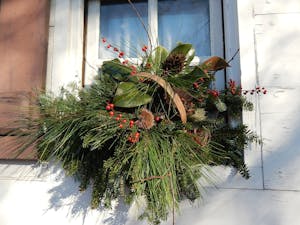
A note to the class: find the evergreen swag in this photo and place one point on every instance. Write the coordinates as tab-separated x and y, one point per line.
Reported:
148	131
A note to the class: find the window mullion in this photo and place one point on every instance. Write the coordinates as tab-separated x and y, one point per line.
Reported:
216	37
153	22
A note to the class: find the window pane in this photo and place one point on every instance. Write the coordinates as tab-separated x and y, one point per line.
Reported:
185	21
120	25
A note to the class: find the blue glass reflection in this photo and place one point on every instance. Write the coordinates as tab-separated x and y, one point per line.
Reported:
122	28
184	21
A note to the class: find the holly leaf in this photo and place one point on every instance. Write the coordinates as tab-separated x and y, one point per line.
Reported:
128	96
214	63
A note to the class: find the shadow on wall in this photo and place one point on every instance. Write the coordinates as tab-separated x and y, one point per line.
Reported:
278	71
66	194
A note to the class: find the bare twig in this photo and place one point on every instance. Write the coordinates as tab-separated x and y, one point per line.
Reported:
141	20
92	67
232	58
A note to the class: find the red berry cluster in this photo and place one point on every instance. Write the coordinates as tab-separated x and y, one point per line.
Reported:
233	88
133	70
115	49
123	123
257	90
133	138
213	93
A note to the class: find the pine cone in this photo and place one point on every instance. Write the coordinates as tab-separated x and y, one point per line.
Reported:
174	64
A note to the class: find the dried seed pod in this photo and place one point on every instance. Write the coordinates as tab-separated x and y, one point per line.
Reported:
146	119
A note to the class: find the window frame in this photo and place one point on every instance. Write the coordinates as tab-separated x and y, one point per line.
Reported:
223	16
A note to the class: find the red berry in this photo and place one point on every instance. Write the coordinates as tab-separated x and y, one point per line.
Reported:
108	108
121	126
103	40
157	118
108	46
144	49
120	115
137	134
121	54
265	92
125	62
116	50
111	106
124	121
111	113
196	85
131	123
117	118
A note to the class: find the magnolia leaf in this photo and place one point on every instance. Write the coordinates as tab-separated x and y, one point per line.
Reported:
214	63
221	106
167	87
182	48
128	96
158	56
116	70
190	56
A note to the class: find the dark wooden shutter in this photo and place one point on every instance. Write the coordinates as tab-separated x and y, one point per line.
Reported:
23	60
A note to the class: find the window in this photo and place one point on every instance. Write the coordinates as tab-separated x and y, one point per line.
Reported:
194	21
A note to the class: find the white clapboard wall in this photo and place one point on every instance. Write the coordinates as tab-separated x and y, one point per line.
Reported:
269	36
